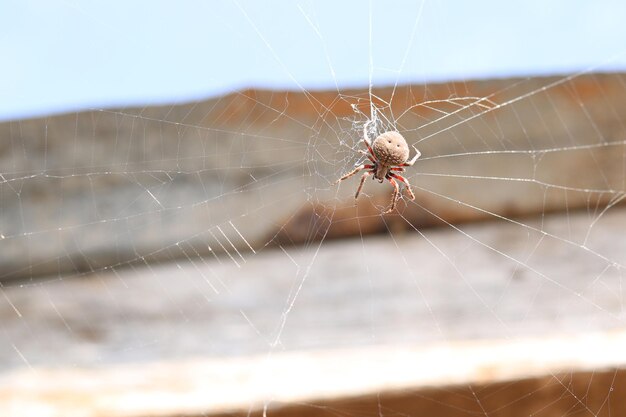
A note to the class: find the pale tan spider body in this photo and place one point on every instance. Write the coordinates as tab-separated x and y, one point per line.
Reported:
389	154
390	149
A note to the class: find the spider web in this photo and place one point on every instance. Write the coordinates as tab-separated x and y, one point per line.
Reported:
210	229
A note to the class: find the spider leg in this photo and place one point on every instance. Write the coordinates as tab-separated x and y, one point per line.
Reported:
354	171
412	161
399	169
369	148
394	196
369	156
367	141
365	137
406	183
363	177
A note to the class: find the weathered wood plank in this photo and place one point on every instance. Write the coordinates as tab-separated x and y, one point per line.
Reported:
90	190
302	379
495	280
497	301
590	394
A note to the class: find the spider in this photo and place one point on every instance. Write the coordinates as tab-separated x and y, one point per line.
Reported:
388	154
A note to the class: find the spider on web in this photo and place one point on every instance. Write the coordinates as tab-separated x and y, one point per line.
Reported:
388	154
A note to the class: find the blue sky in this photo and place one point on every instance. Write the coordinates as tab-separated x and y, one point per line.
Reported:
69	55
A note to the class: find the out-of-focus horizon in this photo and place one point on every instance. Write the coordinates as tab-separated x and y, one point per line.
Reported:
72	55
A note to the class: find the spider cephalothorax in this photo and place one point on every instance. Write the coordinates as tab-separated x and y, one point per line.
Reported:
388	154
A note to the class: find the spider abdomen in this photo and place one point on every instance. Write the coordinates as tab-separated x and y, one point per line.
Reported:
391	149
387	150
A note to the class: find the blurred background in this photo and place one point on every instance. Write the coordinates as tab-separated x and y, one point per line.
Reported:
172	242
